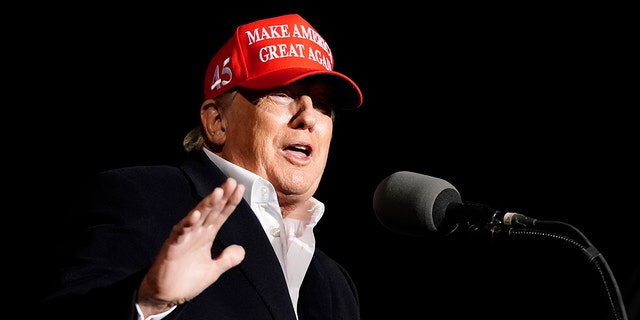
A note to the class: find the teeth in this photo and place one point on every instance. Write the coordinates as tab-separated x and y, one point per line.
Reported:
302	149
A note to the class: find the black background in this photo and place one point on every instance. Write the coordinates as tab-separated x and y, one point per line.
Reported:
525	108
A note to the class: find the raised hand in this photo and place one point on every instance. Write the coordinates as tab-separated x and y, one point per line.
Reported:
184	266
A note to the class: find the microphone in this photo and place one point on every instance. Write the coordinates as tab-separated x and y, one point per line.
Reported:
418	205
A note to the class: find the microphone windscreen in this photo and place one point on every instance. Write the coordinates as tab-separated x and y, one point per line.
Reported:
413	204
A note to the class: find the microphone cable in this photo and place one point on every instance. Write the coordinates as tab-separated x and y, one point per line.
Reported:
594	256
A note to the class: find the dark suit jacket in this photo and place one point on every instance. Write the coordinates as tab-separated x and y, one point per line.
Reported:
135	209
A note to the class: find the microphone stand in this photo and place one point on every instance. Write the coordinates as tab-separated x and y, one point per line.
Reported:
593	255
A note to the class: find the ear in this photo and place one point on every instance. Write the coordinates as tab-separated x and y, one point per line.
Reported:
212	124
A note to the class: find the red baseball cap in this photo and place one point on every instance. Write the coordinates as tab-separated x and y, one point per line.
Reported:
274	52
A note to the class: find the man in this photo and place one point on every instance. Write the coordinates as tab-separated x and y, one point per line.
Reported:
229	233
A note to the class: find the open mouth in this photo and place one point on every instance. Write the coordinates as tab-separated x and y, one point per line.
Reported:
299	148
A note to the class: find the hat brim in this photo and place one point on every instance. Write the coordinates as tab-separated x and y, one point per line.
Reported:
347	93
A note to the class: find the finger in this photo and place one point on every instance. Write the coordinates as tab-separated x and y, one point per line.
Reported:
216	200
211	203
233	193
225	203
226	206
193	218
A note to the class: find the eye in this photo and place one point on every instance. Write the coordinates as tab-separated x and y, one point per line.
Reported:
323	105
281	97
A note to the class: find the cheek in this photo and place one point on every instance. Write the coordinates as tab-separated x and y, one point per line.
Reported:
325	129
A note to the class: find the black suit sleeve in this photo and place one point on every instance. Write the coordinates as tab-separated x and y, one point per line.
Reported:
131	213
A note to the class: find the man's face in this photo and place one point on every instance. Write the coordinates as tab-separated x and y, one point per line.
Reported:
282	135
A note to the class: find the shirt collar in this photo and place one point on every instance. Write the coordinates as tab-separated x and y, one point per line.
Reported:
254	182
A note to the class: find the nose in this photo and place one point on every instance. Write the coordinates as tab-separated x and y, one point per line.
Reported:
305	115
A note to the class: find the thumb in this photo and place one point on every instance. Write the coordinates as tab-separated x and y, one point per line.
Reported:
230	257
